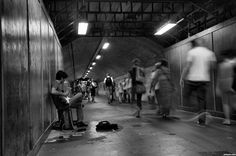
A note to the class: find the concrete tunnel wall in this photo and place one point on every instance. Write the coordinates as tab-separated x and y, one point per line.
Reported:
30	56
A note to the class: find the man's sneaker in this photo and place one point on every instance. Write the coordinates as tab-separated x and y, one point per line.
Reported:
226	122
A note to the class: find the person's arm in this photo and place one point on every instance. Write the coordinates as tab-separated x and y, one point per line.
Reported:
186	69
67	88
56	92
213	66
154	81
184	73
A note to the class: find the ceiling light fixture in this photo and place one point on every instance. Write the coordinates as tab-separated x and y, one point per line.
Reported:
94	63
98	57
105	45
90	68
167	27
82	28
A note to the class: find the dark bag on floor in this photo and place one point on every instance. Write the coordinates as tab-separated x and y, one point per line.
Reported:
106	126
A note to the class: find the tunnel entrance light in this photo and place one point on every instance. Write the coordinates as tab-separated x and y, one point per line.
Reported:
82	28
167	27
98	57
105	45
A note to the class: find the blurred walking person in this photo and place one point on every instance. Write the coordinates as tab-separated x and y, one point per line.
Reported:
226	84
197	75
166	87
138	79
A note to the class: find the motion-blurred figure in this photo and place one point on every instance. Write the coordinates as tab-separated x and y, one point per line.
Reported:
166	87
197	75
138	78
225	82
154	89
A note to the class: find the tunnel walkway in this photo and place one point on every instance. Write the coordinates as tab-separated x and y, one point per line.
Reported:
148	136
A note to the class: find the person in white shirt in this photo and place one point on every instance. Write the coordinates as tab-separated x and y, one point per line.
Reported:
197	75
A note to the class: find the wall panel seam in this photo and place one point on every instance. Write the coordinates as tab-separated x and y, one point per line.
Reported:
2	83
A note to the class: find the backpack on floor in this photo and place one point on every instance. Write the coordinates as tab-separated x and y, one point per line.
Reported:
106	126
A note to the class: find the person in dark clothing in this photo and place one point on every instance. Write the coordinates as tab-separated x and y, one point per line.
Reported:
93	90
135	74
108	81
166	88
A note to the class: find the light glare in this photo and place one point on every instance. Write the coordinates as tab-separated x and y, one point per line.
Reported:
165	28
82	28
94	63
105	45
98	57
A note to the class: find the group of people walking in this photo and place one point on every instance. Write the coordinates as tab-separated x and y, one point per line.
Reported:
196	77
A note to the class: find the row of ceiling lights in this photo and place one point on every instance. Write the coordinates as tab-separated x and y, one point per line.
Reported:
83	27
98	57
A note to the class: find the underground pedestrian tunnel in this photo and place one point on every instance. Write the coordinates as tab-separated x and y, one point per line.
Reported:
40	37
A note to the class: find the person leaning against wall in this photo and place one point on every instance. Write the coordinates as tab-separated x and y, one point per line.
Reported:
62	89
196	76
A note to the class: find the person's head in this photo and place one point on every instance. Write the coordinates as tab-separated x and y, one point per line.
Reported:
136	61
228	54
61	76
157	65
194	43
108	75
164	62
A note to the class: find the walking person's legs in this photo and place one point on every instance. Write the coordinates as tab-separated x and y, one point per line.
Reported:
139	105
201	97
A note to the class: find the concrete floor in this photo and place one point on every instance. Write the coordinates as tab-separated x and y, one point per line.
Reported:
148	136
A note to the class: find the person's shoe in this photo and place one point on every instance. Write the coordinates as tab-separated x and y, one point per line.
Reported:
226	122
201	122
81	124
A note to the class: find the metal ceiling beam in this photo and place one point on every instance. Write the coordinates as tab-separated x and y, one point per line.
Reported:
125	1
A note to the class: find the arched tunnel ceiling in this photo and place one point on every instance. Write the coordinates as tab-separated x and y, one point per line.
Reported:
129	25
116	60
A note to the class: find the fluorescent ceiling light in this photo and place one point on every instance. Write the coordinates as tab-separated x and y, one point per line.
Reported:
90	68
98	57
94	63
165	28
82	28
105	45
